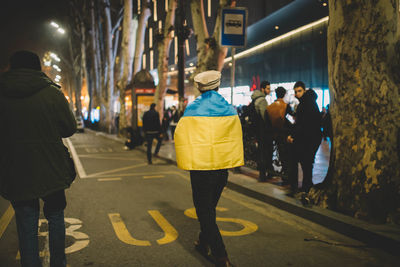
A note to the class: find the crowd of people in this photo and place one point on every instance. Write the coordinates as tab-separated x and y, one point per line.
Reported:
295	133
209	126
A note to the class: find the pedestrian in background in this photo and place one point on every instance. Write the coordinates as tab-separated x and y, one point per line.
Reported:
208	141
34	163
152	130
305	137
275	116
263	133
165	123
175	116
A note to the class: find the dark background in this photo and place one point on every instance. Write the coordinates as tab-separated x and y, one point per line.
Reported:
25	24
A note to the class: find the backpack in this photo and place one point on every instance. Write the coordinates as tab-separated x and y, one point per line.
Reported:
253	119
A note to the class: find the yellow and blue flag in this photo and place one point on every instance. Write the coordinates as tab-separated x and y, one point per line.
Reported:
209	135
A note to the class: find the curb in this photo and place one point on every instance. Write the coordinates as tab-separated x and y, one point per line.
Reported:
385	237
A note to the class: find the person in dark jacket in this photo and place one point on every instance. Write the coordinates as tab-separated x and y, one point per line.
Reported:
305	137
152	129
34	163
263	133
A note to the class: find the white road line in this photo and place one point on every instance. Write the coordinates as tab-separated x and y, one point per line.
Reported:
115	170
78	164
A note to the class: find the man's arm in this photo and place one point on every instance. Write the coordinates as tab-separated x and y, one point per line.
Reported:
66	121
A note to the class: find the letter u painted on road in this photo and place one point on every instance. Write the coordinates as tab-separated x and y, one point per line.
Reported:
170	234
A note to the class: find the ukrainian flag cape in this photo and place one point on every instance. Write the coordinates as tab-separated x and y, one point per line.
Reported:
209	135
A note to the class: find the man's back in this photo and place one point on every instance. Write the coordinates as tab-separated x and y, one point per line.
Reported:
34	116
151	121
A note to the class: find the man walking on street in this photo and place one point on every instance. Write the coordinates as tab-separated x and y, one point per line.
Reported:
263	134
208	141
152	130
34	163
305	137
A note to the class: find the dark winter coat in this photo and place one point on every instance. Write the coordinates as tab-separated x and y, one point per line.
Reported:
151	122
34	116
307	129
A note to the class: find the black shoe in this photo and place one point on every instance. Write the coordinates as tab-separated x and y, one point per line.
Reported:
149	162
223	262
204	250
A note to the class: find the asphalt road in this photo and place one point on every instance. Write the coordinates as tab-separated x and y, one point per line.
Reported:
123	212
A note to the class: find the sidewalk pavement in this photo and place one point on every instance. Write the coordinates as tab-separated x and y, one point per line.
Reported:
386	237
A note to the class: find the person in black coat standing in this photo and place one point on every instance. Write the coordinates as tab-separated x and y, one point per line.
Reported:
305	137
152	129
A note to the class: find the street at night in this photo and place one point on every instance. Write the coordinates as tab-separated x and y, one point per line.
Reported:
199	133
124	212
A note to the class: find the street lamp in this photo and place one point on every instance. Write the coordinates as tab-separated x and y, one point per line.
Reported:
59	29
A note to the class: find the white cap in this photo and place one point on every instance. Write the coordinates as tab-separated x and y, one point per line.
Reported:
207	80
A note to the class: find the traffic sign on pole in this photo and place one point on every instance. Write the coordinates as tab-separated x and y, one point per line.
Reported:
233	28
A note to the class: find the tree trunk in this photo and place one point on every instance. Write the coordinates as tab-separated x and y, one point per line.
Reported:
110	64
84	72
137	62
210	55
129	28
144	16
363	62
95	59
163	47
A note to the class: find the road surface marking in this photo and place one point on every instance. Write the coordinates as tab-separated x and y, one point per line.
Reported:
130	174
153	176
91	156
123	233
115	170
5	219
170	233
78	164
81	239
109	179
248	227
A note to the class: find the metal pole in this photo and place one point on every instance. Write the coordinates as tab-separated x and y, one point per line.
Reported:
233	51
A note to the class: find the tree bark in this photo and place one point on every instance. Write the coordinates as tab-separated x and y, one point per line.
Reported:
95	58
163	47
363	63
210	55
137	62
129	27
144	16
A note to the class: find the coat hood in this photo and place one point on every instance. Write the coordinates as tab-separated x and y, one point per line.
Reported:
22	83
257	94
309	96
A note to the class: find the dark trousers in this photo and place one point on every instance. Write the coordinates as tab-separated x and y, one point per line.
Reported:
149	140
207	187
264	159
303	153
283	152
27	219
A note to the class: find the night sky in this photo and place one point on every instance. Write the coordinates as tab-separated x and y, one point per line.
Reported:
24	24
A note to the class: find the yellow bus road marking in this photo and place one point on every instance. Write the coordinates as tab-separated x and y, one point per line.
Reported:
109	179
115	170
5	219
170	233
153	176
123	233
247	226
